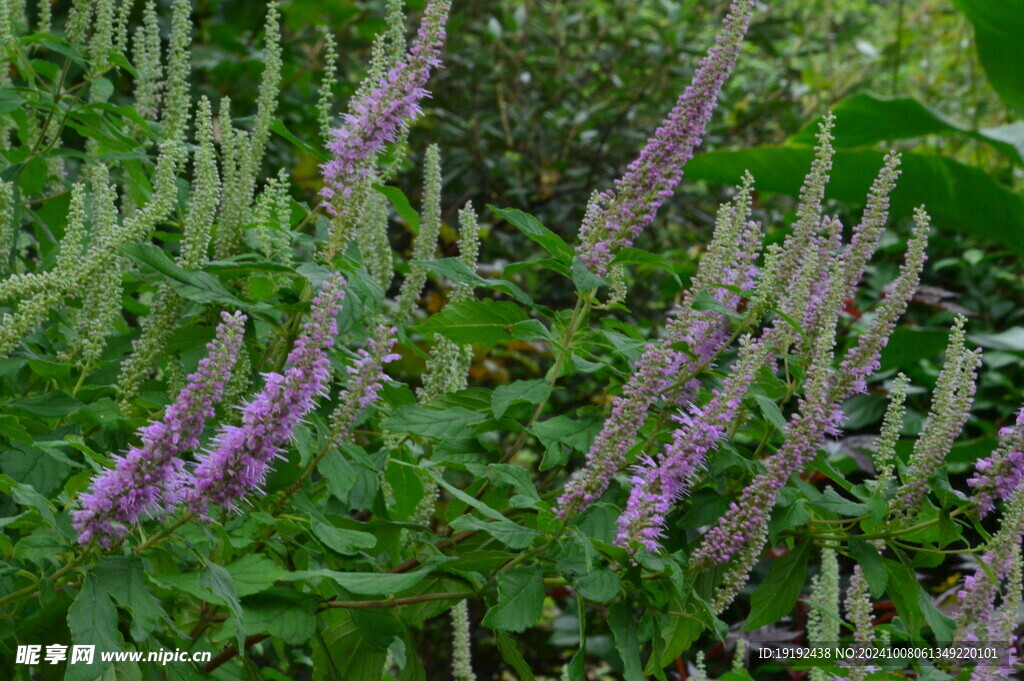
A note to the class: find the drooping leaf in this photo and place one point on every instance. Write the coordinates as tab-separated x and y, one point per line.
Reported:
775	597
957	197
520	598
487	321
998	26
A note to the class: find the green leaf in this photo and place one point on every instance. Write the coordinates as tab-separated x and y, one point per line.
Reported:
402	206
510	653
504	530
832	502
998	27
866	119
201	287
349	648
407	490
367	583
958	197
279	127
441	424
345	542
577	434
218	580
487	322
92	619
536	232
520	598
584	279
599	586
903	588
775	597
870	564
770	410
124	580
460	273
282	613
254	573
620	620
531	392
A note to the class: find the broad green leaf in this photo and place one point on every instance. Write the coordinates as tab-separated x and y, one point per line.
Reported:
770	410
903	588
520	598
201	287
92	619
487	322
865	119
407	490
366	583
460	273
998	27
870	564
620	620
124	579
535	231
402	206
219	581
504	530
531	392
775	597
282	613
440	424
832	502
350	649
957	197
578	434
345	542
599	586
254	573
510	653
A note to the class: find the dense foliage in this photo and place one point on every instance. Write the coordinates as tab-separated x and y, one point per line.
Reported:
270	397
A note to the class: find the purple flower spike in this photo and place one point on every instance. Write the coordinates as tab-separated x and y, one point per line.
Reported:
147	476
366	381
1000	475
617	216
377	118
241	455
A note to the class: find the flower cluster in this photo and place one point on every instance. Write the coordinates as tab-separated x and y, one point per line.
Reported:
147	477
366	380
377	118
614	218
663	371
999	475
951	405
238	461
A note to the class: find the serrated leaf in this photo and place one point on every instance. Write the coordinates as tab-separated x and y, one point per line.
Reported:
775	597
870	564
620	620
537	232
345	542
254	573
531	392
287	615
124	579
510	653
487	322
520	599
440	424
219	581
504	530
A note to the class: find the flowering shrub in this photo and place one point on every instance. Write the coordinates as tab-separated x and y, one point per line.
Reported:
229	430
